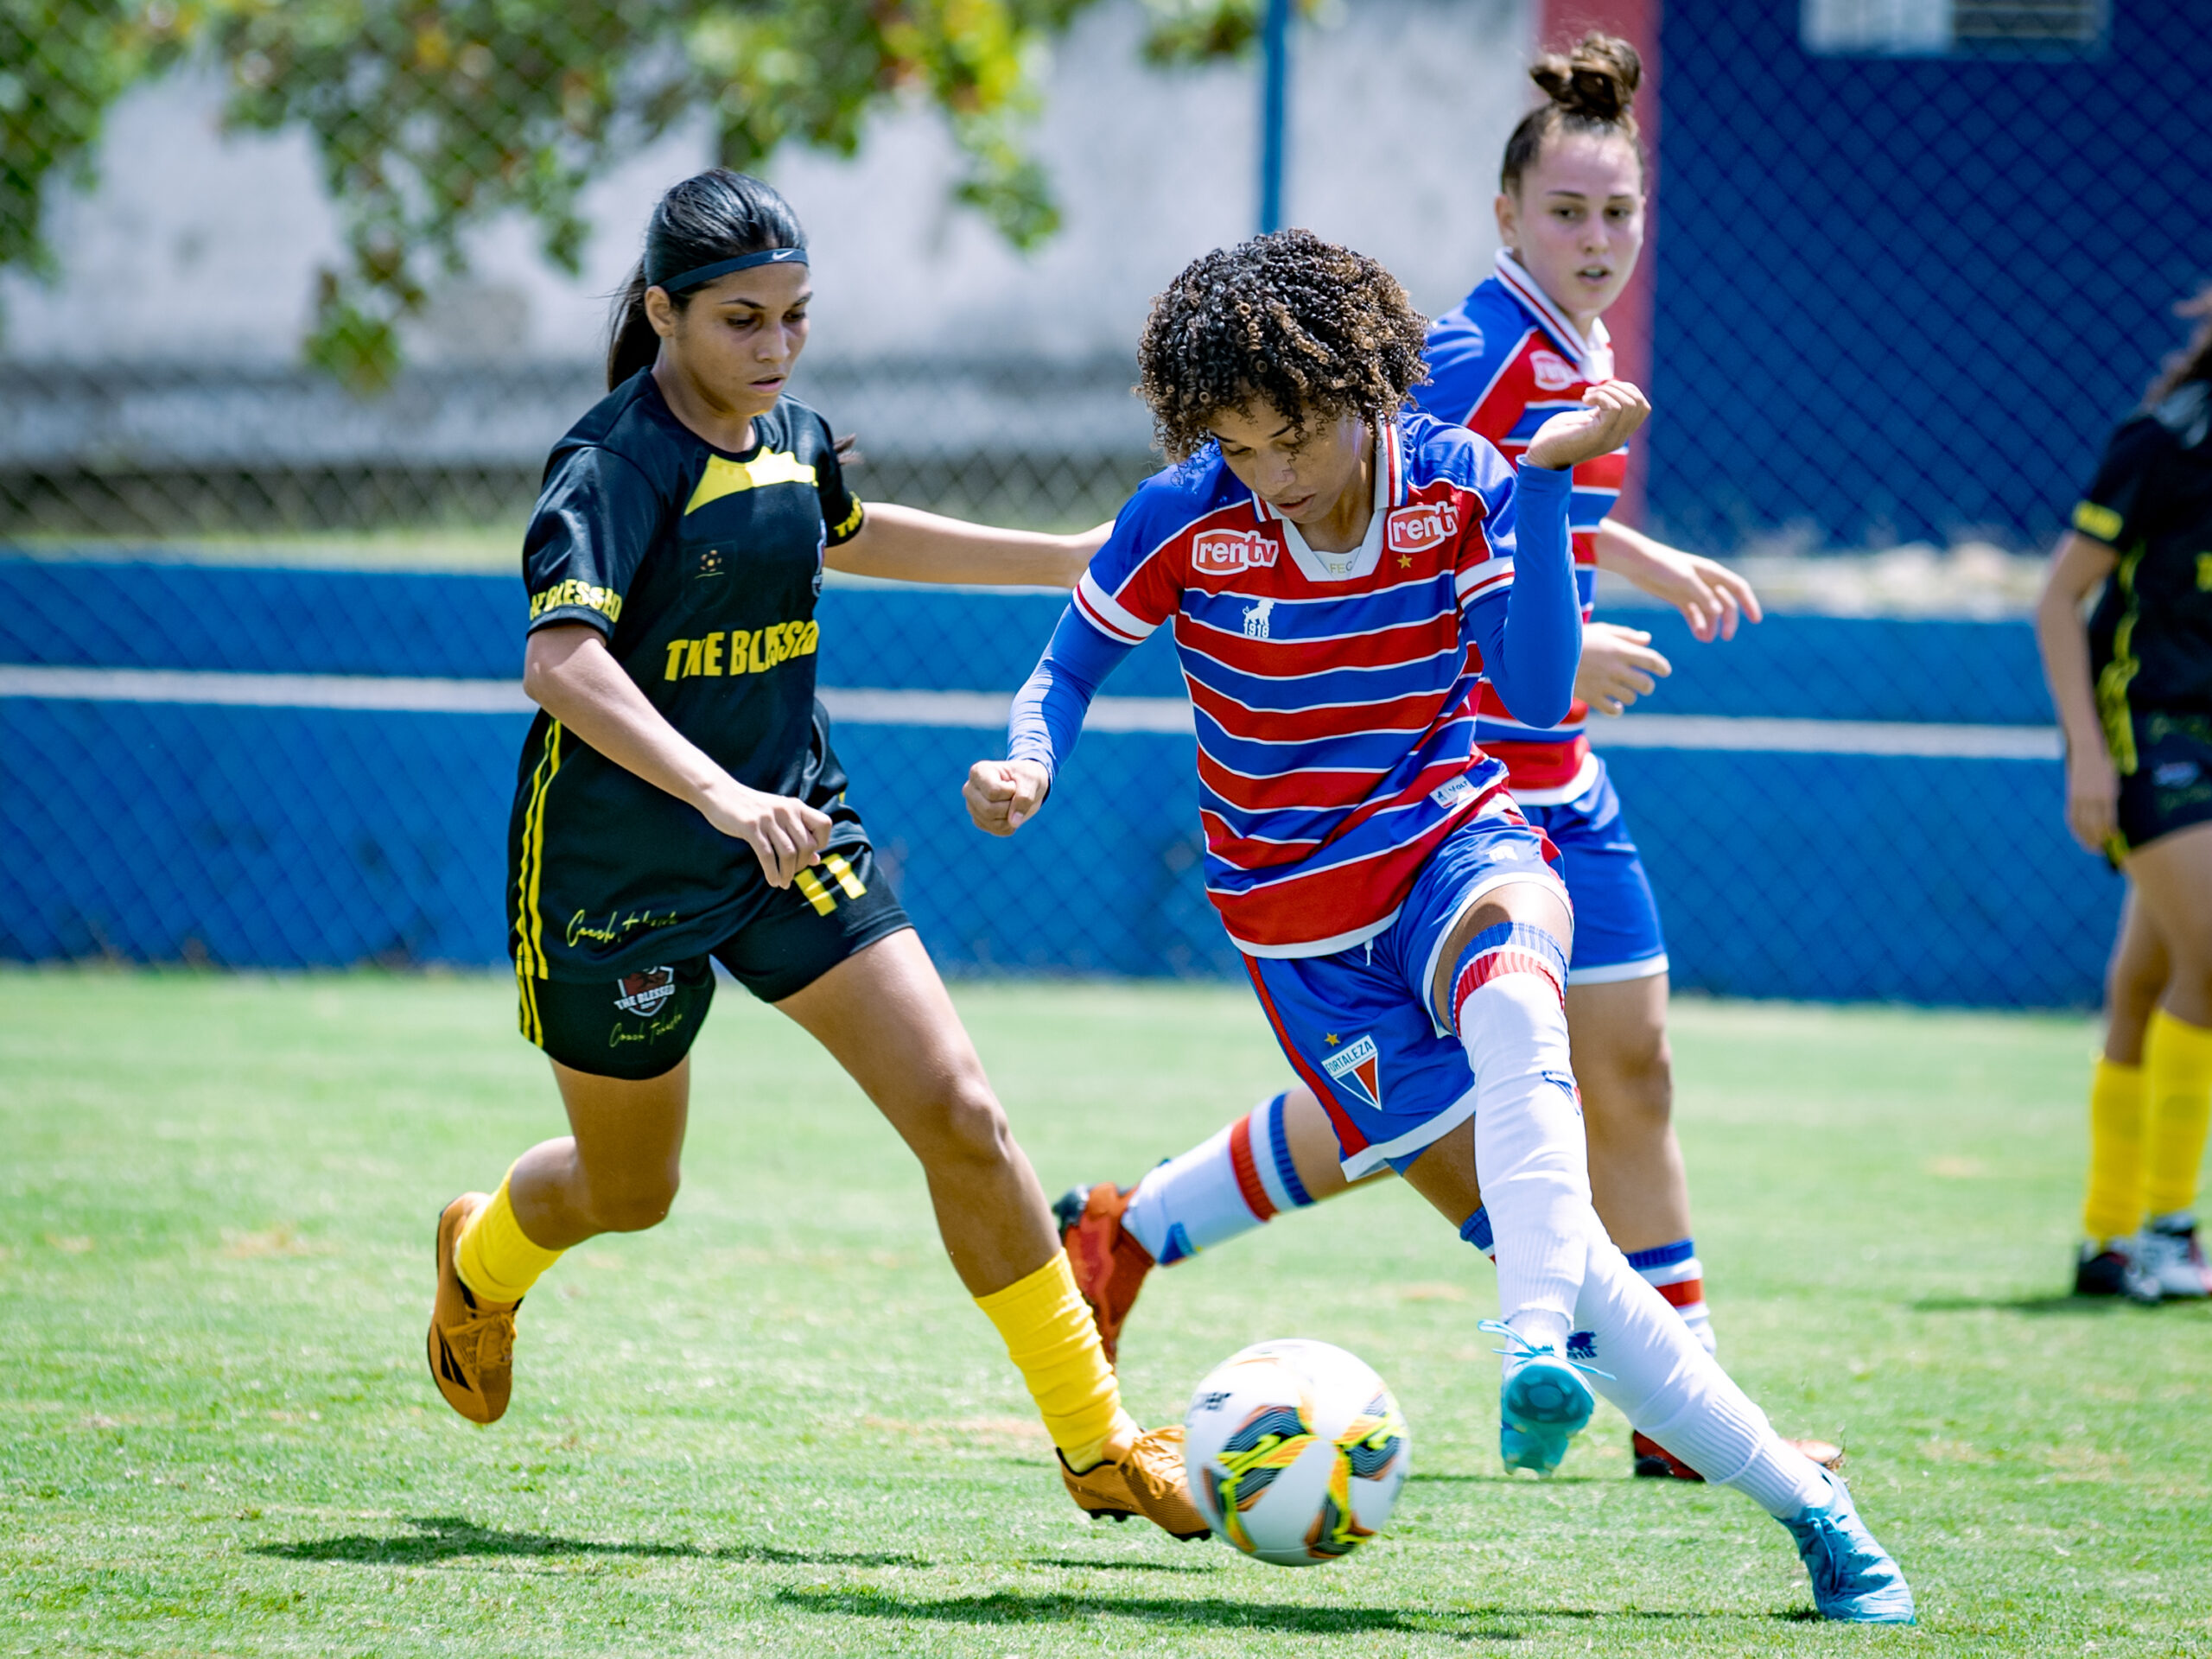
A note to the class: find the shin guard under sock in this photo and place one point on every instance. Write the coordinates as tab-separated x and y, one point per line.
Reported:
1050	1337
2177	1109
1509	1010
2114	1208
495	1258
1675	1273
1241	1179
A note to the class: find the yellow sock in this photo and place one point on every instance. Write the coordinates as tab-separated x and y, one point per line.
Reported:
496	1258
1050	1337
2114	1208
2177	1070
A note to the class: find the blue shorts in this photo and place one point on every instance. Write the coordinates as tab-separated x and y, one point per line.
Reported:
1616	933
1358	1025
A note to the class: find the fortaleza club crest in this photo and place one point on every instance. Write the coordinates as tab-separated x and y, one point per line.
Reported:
643	994
1356	1066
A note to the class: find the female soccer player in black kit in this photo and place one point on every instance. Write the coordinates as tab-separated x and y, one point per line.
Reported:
2134	694
678	800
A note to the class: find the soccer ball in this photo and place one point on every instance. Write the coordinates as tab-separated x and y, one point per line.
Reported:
1294	1452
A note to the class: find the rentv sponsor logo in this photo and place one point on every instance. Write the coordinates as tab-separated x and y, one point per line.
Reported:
1415	530
1553	372
1225	552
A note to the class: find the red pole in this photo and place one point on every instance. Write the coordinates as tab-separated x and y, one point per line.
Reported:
1559	23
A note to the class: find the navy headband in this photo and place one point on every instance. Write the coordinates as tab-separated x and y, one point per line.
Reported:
693	278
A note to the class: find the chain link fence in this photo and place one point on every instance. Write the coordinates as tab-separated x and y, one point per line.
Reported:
1913	260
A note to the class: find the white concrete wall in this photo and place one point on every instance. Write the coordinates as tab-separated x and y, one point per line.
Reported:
201	247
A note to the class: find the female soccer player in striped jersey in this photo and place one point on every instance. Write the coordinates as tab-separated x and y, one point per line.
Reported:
678	802
1526	344
2134	694
1339	574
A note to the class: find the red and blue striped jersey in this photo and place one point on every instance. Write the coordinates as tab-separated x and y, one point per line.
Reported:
1502	364
1332	692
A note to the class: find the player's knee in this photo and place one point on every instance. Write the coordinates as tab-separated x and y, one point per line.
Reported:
963	1125
2132	983
634	1204
2187	983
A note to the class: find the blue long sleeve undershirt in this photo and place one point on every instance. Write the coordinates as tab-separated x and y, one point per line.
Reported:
1531	644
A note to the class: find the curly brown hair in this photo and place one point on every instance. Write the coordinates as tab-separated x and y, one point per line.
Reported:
1312	328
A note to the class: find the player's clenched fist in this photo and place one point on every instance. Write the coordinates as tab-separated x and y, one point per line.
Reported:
1611	409
1003	795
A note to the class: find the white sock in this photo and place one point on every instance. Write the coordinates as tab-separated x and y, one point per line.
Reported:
1668	1387
1529	1152
1235	1181
1675	1273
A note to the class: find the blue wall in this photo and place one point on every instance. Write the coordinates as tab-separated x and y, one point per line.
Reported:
1909	296
294	837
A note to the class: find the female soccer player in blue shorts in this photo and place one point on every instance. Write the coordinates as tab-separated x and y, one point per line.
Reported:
2134	694
1339	574
1528	343
678	804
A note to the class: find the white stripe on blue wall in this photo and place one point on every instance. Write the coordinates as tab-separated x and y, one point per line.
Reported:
987	711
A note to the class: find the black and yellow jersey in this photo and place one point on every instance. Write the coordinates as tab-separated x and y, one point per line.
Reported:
2151	634
701	569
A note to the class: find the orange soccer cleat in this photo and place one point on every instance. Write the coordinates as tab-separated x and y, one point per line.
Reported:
1110	1264
1146	1479
472	1344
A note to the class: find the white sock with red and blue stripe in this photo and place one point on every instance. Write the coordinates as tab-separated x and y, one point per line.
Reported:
1675	1273
1241	1179
1509	1005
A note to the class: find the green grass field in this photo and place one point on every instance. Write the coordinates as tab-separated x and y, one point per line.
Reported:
776	1426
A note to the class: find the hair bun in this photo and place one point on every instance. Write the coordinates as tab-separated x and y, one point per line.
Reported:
1595	82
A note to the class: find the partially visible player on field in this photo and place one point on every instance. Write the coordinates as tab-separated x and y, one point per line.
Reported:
1527	343
678	804
2134	693
1339	573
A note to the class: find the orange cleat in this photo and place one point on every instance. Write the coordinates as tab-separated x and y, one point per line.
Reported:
472	1344
1147	1479
1110	1264
1654	1462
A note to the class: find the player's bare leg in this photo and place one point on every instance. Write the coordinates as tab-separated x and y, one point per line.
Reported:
2172	875
616	1171
884	1014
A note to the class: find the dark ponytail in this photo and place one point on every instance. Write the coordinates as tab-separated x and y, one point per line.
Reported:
2193	360
1591	89
710	217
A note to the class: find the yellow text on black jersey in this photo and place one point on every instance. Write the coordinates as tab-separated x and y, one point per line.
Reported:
738	651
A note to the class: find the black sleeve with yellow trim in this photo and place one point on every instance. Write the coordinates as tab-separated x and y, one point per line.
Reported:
842	512
2109	507
594	520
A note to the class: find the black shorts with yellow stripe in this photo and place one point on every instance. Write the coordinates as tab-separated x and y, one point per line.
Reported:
2171	788
643	1024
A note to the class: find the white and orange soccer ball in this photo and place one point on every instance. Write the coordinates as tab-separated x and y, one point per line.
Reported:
1295	1451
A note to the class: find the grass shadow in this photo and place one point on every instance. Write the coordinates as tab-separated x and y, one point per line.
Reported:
2038	1306
1073	1565
1014	1607
449	1538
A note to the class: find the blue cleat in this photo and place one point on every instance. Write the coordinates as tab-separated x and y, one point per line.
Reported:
1854	1580
1541	1406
